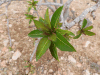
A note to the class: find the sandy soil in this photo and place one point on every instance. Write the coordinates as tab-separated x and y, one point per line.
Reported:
86	61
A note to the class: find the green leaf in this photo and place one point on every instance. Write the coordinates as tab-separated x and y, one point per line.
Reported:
29	2
78	32
88	28
35	2
30	21
26	66
76	37
40	26
44	22
34	7
67	39
59	25
47	18
29	16
52	37
84	23
53	51
63	44
89	33
63	32
36	33
55	17
43	45
29	8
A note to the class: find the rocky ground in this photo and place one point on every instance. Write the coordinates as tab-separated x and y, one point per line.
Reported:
86	61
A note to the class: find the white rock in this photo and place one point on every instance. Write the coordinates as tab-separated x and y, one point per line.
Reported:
5	42
62	58
10	25
86	72
4	20
27	71
14	68
10	73
3	63
29	40
45	71
50	70
15	12
16	55
87	43
71	59
95	74
52	60
13	40
79	64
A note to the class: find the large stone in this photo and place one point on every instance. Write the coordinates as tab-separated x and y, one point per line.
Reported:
16	55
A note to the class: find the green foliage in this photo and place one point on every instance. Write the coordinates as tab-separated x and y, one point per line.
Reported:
36	33
88	28
31	17
84	30
63	44
84	23
30	66
32	4
10	48
89	33
40	26
55	17
42	47
53	51
52	36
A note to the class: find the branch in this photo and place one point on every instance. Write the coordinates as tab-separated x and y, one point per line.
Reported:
36	44
55	2
8	22
61	1
82	16
68	3
4	1
51	3
52	9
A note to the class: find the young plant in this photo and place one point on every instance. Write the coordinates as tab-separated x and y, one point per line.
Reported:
84	30
52	36
10	48
30	66
31	17
32	4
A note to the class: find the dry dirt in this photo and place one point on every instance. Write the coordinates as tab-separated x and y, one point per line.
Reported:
86	61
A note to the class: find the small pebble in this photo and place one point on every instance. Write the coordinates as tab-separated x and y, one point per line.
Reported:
10	25
95	74
87	43
86	72
50	70
71	59
9	73
27	71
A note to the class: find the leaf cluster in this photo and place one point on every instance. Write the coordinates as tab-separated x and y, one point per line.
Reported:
84	30
32	4
31	17
52	36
